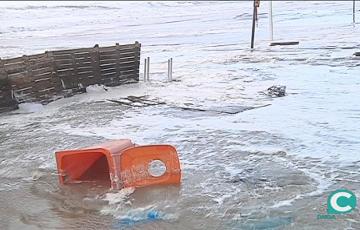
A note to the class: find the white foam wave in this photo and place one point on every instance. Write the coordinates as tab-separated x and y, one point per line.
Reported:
30	108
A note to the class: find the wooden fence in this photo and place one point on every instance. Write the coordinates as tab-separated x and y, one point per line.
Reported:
54	74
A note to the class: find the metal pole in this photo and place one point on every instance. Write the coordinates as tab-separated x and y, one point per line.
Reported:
148	69
145	69
253	26
271	21
170	69
353	11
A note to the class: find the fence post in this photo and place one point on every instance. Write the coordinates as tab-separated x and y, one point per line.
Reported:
354	11
145	69
148	69
137	51
170	70
271	21
117	68
253	25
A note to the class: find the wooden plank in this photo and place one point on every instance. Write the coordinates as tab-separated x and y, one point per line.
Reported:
108	70
60	61
109	59
70	70
130	71
83	70
108	65
284	43
72	51
124	52
47	90
108	53
14	68
41	64
85	67
117	56
11	61
121	59
82	55
41	85
35	57
38	77
44	79
85	63
24	90
130	76
62	56
40	71
123	62
128	67
108	75
104	57
64	66
120	47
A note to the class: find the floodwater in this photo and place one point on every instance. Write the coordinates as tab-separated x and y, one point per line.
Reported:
266	168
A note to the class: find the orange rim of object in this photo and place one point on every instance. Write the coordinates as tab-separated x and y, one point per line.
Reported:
73	165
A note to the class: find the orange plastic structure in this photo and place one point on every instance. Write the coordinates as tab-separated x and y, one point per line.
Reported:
120	162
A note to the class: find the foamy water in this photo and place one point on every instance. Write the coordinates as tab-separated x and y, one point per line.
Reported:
270	167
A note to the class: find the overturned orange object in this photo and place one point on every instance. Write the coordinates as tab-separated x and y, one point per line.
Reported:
120	162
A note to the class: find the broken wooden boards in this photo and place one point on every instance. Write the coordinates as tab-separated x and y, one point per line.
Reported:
143	101
284	43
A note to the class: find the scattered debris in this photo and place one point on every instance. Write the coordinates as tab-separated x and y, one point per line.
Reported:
143	101
134	101
287	43
277	91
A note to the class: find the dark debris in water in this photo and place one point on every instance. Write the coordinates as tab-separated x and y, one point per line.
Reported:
137	101
276	91
143	101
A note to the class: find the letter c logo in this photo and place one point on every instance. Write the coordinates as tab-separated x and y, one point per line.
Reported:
334	204
341	201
